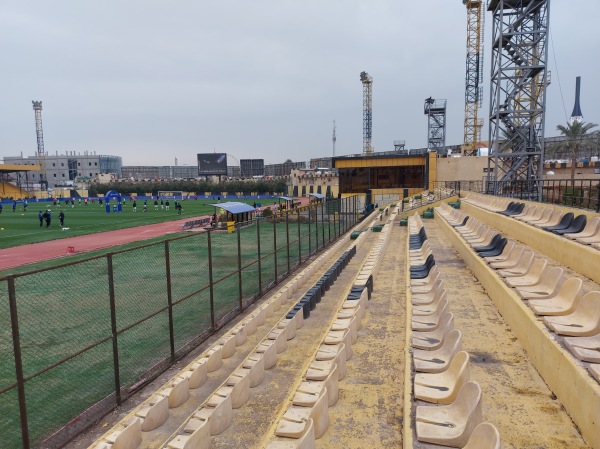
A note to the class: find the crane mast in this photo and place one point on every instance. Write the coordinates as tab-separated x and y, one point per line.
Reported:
37	109
474	75
367	82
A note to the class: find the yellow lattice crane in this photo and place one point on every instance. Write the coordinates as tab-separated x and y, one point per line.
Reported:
474	75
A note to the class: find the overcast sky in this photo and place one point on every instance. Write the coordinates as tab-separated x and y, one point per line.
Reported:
152	81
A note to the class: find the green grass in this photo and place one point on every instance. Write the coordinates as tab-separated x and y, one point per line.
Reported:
64	309
21	228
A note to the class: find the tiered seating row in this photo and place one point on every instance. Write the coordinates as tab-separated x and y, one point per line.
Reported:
442	367
557	221
216	413
307	417
567	311
567	377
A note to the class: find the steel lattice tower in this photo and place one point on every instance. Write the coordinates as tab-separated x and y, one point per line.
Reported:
474	75
37	109
518	96
367	82
435	110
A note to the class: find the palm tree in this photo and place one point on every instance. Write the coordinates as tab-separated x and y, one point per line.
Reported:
576	140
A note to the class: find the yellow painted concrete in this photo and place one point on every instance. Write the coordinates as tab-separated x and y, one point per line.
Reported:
11	168
568	380
581	258
380	162
426	206
408	424
433	170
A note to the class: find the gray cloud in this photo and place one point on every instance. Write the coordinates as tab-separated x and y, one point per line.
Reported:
152	80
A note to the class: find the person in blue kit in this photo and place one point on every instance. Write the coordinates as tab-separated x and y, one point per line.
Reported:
0	208
61	219
41	218
14	205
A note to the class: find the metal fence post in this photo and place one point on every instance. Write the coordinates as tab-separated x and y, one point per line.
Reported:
299	237
275	245
287	236
14	324
259	260
316	229
170	300
322	222
210	281
239	245
309	231
113	325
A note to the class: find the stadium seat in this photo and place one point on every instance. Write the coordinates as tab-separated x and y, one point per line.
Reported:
453	424
443	387
484	436
293	422
305	441
583	322
437	360
551	281
196	435
564	302
434	339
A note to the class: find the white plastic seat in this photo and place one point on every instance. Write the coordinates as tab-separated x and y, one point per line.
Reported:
433	340
443	387
484	436
306	440
196	435
154	412
584	321
437	360
293	422
453	424
564	302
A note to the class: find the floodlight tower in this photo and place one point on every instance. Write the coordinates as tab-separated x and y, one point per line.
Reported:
474	75
435	110
37	109
518	96
367	82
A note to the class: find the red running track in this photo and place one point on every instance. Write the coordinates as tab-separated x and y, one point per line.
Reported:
39	252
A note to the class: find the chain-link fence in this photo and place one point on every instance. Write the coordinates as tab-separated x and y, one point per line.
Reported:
83	336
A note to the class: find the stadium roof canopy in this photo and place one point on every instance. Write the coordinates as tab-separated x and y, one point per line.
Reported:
235	208
318	196
287	198
15	168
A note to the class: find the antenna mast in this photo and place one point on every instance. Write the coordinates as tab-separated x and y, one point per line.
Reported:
333	138
37	109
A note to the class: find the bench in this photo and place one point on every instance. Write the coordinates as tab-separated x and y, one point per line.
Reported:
195	223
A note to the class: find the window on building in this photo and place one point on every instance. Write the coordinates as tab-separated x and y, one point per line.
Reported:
55	175
62	164
79	164
96	164
63	175
53	164
90	164
91	174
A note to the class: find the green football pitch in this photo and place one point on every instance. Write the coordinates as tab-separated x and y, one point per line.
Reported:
20	228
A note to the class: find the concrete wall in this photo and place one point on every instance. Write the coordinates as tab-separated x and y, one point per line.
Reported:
461	168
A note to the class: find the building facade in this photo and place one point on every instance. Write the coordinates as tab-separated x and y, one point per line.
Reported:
284	169
65	169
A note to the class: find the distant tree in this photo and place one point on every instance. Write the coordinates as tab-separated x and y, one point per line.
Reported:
577	138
